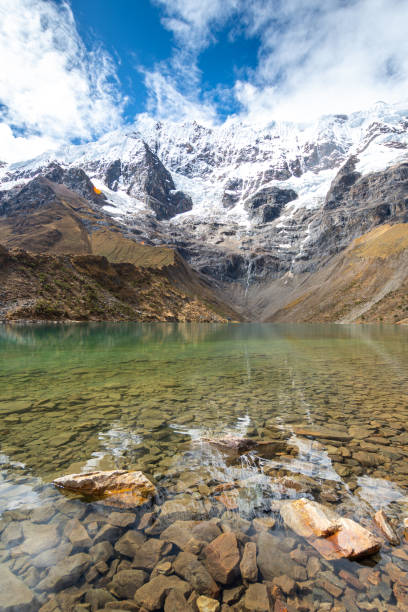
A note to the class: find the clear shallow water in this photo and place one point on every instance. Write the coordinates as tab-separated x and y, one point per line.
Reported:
104	396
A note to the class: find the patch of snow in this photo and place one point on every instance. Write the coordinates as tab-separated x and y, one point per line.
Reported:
119	203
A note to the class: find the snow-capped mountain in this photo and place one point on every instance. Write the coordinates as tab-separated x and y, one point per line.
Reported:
241	202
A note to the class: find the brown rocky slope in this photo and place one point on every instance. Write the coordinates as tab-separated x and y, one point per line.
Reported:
89	287
367	282
63	257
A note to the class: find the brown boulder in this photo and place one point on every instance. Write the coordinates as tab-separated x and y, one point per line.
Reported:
229	499
150	553
248	566
126	582
222	558
272	561
151	595
351	541
188	567
263	523
257	599
181	533
129	543
176	602
120	488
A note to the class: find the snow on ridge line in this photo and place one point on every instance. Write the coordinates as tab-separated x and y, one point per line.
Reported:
203	161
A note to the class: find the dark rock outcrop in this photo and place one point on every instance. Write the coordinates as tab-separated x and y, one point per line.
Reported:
232	192
266	204
354	205
112	174
150	181
76	180
37	193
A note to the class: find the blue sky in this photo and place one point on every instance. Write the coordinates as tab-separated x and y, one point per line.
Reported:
74	69
133	33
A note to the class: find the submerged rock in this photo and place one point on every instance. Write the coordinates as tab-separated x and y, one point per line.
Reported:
206	604
232	443
175	602
382	523
257	599
248	566
237	445
327	434
335	537
65	573
14	594
272	561
120	487
151	595
181	508
126	582
150	553
183	533
222	558
188	567
130	543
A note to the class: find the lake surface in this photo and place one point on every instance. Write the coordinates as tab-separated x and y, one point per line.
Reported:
76	398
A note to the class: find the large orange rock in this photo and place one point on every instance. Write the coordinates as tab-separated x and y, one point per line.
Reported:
310	519
333	536
119	488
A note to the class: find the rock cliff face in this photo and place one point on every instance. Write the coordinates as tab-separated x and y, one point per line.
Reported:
243	205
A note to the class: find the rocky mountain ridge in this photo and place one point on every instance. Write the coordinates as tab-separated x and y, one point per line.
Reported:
243	205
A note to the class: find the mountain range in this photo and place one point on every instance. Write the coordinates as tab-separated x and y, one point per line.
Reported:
284	222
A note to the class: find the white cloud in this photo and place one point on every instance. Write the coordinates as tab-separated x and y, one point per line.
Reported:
174	87
192	21
166	102
15	148
52	90
315	57
326	57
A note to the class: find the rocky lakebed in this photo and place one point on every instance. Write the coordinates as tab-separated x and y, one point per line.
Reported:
203	468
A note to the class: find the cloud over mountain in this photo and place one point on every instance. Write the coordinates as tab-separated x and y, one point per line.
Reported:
307	59
314	57
52	89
